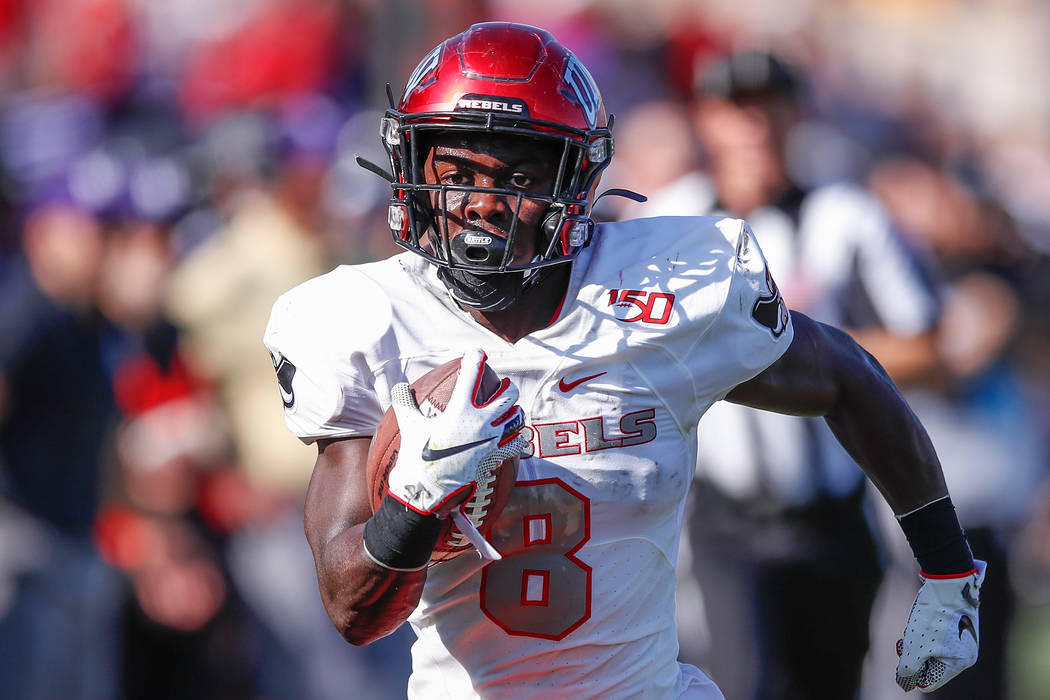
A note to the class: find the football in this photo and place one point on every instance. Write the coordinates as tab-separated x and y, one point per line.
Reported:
432	392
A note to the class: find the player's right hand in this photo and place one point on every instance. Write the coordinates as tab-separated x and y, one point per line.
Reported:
442	456
941	638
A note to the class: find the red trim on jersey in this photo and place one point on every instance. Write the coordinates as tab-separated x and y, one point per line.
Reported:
557	311
940	577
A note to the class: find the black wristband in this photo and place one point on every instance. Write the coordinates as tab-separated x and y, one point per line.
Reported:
399	538
937	539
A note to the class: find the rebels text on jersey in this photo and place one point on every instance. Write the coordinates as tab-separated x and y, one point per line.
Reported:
662	318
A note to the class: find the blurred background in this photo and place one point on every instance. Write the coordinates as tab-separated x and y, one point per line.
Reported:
169	167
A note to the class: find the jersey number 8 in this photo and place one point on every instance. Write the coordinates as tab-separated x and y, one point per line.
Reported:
539	588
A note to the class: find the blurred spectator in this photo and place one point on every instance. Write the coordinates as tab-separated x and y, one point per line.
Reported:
979	415
255	60
657	154
85	46
221	291
41	136
354	198
271	193
778	543
58	600
179	620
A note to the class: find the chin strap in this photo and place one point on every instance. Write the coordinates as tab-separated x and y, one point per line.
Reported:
483	293
493	292
373	168
621	192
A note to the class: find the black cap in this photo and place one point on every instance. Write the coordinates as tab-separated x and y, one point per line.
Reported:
749	72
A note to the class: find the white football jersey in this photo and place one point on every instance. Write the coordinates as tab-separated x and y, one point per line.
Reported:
662	318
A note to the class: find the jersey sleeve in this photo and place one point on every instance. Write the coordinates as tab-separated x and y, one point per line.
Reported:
752	329
325	383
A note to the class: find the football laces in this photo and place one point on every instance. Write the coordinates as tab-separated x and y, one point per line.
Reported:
477	507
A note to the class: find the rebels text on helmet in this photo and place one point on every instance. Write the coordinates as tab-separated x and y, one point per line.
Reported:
492	103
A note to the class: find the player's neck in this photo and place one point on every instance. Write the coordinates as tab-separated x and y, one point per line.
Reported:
534	311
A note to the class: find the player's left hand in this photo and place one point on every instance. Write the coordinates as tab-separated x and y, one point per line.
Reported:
941	638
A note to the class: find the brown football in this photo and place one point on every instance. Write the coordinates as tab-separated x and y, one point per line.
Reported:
432	392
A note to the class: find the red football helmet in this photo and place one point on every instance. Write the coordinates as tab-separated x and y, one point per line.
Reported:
504	78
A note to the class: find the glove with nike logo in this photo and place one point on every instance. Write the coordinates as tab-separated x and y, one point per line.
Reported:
941	638
444	455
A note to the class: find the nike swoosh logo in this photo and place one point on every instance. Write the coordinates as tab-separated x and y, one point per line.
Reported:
966	625
569	386
430	455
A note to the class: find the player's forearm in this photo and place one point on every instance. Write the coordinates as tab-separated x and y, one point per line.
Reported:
364	600
897	457
873	422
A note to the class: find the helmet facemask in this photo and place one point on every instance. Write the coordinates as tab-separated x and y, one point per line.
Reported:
477	266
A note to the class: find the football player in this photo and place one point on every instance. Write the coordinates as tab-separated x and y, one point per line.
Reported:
617	337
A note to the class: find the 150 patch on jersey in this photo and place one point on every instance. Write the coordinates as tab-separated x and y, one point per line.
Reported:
770	310
634	305
285	371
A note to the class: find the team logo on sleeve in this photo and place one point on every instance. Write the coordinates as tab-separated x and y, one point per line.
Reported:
770	309
285	371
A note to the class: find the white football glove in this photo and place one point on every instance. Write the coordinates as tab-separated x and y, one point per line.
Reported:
941	638
442	456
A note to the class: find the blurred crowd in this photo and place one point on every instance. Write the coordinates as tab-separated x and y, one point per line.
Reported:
168	168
